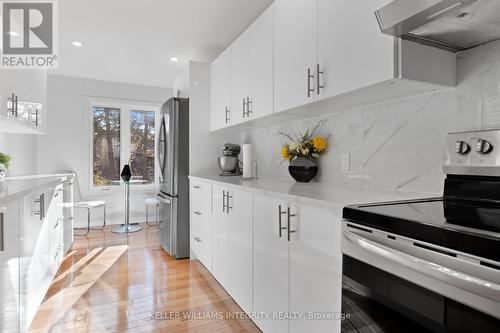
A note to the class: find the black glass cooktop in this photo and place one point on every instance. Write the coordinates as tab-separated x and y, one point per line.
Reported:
464	225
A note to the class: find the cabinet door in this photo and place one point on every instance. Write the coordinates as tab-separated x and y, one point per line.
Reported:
271	264
240	248
36	265
315	268
294	52
30	86
261	76
240	71
5	90
9	267
220	236
220	91
352	52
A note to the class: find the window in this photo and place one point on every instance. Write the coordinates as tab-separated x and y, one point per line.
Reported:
122	133
142	140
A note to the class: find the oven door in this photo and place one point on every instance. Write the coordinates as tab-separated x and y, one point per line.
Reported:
168	223
455	275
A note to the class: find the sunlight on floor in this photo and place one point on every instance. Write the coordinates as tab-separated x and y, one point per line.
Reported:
89	270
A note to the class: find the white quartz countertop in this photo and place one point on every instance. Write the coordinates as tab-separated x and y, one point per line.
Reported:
15	187
337	195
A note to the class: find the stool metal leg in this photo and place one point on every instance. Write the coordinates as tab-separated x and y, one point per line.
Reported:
88	224
104	220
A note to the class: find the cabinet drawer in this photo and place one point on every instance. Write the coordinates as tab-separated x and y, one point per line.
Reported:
201	221
201	197
201	247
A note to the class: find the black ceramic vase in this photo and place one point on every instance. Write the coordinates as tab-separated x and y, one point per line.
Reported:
126	173
302	169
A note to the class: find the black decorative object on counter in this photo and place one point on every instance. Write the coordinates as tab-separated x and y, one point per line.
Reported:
302	169
126	173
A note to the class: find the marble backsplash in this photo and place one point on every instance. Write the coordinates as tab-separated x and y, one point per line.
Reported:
398	144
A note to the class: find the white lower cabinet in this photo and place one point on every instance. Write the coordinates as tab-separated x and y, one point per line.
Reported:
232	243
277	258
297	272
9	267
201	222
315	269
41	248
270	264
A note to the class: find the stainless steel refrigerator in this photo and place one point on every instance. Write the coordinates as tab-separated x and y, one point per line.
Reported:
173	155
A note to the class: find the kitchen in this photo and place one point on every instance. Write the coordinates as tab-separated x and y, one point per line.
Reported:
306	166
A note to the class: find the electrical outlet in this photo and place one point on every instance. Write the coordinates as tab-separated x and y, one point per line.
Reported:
346	163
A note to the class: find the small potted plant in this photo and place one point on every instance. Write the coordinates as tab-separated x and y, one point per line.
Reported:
4	165
303	153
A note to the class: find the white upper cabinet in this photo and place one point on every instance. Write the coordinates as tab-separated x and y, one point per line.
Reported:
240	72
220	91
23	95
252	70
295	53
352	52
321	49
261	74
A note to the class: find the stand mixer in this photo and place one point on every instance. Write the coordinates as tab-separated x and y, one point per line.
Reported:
229	163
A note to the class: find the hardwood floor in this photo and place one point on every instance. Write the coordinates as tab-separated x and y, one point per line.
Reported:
114	283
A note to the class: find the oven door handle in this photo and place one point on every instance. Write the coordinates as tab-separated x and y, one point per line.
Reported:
457	279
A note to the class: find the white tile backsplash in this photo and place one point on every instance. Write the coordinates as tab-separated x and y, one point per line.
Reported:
398	144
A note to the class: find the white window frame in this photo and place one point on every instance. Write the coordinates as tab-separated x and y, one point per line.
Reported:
125	106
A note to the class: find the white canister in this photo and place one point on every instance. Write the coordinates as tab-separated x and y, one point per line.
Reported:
249	161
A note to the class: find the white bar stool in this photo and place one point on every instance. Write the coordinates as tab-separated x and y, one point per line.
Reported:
152	202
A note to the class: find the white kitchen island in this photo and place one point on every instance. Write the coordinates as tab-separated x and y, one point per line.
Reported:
275	245
36	220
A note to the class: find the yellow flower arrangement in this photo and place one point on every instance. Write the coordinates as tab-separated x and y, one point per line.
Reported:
306	145
319	143
285	152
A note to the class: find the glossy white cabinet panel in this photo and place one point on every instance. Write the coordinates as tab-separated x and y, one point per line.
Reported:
261	74
220	236
240	73
271	264
315	268
220	91
352	52
295	52
240	247
201	222
9	267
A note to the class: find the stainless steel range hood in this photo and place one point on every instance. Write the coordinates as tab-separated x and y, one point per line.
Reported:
453	25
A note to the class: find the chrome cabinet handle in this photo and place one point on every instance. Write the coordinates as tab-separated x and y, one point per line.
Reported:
13	105
309	77
197	213
244	108
41	202
248	106
228	112
196	186
223	201
318	79
228	196
36	117
280	226
198	239
289	216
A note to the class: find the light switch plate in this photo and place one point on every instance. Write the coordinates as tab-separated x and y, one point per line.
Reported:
346	162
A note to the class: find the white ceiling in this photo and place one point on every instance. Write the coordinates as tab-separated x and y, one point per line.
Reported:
132	40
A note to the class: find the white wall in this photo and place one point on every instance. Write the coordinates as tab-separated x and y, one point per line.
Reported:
22	148
66	145
396	144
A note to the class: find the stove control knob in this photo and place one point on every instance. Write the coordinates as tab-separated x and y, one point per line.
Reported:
462	147
483	146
